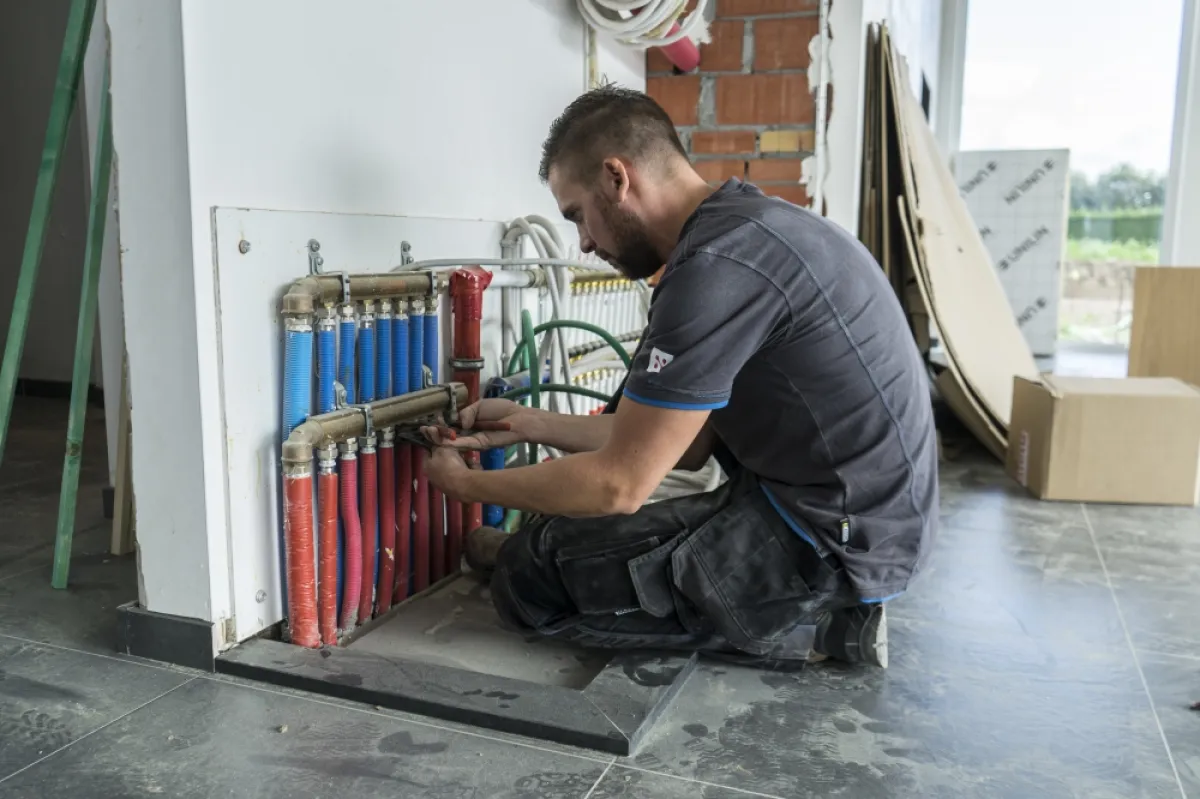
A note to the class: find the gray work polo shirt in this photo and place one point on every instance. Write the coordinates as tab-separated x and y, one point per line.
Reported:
785	327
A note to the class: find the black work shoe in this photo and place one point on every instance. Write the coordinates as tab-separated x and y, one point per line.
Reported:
481	548
855	635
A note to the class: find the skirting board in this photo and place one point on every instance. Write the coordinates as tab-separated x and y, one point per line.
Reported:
610	715
161	636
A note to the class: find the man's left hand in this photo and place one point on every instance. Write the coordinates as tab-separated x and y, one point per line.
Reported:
446	470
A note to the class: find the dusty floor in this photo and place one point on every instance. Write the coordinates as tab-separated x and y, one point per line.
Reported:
1051	650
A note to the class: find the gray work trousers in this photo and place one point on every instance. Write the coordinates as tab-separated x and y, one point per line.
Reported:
717	572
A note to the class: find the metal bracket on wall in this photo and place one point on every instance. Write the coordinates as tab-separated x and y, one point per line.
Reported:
315	261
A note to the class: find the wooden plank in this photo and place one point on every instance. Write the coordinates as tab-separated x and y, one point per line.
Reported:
122	529
962	290
950	383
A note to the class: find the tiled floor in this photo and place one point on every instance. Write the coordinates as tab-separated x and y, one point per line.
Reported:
1050	650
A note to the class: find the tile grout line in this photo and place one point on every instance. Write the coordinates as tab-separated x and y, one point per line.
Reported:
130	659
1162	733
7	577
701	782
599	779
93	732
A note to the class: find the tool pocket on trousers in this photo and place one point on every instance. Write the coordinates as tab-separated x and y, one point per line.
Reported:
651	576
597	578
741	577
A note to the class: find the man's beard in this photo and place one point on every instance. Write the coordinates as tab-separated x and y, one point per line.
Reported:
635	257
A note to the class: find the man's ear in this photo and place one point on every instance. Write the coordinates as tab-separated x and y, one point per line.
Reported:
615	180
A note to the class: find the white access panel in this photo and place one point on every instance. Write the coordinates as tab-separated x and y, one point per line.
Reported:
250	347
1019	200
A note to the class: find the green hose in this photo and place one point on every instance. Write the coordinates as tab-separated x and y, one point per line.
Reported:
535	399
512	520
555	388
514	363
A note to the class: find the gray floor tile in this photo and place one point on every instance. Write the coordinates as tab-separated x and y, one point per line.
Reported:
1149	545
1175	685
954	715
213	738
84	615
1161	617
50	697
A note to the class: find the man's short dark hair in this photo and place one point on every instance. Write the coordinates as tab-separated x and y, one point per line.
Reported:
605	122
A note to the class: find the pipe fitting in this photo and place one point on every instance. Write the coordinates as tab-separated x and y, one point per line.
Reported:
327	457
401	309
300	323
297	469
416	306
345	425
327	321
367	444
385	309
387	437
348	449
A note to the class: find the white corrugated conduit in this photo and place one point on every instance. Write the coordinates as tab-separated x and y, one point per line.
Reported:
646	23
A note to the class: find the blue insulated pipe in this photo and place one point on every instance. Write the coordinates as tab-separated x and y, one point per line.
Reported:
400	349
416	344
383	348
326	362
297	372
366	353
490	459
431	337
346	353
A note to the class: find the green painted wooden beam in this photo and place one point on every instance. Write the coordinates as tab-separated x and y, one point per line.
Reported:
66	88
81	375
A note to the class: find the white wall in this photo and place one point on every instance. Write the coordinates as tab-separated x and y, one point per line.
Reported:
31	39
915	27
181	570
372	108
1181	235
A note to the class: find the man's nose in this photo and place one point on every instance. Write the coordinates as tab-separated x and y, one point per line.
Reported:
586	245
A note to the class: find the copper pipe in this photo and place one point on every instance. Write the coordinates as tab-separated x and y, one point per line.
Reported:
310	293
347	423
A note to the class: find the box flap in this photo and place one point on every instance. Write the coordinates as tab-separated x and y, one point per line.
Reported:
1119	386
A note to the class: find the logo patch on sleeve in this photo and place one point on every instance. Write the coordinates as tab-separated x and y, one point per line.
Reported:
658	360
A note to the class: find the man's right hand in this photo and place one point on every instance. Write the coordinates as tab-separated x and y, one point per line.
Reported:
488	410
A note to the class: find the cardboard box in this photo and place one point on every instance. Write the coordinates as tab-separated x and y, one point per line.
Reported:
1165	341
1086	439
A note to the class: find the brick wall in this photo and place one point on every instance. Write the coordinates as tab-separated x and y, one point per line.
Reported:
747	112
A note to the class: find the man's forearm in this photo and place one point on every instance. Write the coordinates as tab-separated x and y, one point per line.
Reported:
566	432
580	486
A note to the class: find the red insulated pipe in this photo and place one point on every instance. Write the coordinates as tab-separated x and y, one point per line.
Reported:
437	533
683	54
467	285
404	494
420	521
368	493
327	563
352	537
454	533
387	522
298	555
